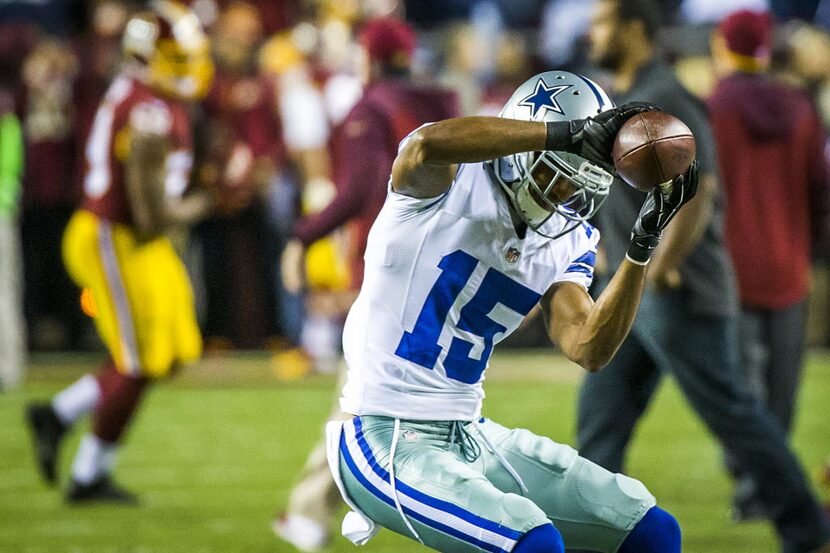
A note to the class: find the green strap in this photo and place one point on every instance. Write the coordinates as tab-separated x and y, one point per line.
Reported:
11	162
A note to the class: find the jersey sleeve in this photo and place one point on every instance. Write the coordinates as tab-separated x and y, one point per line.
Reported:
581	258
407	203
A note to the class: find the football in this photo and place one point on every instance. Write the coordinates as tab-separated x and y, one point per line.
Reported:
652	148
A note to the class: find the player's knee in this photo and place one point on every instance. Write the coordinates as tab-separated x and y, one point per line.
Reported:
520	511
542	539
657	532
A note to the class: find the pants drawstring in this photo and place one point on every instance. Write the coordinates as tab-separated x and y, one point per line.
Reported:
501	459
395	435
468	445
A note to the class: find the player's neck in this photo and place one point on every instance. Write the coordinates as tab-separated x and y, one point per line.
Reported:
518	225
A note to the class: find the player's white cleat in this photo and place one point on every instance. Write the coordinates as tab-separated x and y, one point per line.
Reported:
302	532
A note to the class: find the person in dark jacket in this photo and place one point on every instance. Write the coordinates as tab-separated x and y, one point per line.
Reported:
687	323
776	180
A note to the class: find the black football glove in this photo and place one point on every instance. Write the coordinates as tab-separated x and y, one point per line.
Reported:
593	138
660	207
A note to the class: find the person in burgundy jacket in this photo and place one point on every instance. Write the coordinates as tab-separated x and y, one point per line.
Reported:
363	148
776	178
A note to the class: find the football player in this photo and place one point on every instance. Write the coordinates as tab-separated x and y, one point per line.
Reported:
486	217
138	160
391	107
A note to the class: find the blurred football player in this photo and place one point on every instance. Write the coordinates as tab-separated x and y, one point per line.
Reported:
391	107
485	218
138	161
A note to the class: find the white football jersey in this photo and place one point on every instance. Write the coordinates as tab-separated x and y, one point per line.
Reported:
446	279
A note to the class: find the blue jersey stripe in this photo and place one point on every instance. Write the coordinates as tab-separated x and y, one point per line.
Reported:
426	499
589	229
588	258
350	463
583	264
580	269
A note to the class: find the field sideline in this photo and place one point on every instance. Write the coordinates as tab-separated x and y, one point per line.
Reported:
214	452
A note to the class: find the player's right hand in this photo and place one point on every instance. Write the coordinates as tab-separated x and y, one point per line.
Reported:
593	137
660	207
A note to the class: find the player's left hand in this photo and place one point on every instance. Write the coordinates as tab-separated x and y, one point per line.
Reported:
660	207
593	137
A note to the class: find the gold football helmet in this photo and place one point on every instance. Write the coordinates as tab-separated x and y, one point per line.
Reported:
170	42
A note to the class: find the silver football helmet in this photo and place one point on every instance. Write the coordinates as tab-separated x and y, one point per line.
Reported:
540	184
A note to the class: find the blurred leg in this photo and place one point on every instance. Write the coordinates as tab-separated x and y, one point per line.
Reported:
787	329
314	500
703	357
117	406
96	456
754	366
611	402
754	351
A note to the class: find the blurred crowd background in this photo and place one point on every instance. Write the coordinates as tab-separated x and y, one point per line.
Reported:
286	76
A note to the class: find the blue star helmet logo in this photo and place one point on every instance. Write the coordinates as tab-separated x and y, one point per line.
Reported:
544	97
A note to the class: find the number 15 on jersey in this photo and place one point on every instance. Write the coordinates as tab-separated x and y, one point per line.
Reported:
421	345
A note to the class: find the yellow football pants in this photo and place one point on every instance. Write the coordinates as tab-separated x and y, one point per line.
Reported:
142	301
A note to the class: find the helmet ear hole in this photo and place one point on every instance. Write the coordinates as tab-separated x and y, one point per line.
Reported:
506	169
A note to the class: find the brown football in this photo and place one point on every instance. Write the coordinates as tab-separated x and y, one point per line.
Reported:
652	148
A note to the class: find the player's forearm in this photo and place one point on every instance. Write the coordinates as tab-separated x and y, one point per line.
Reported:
360	177
145	184
687	228
189	209
473	139
313	227
610	319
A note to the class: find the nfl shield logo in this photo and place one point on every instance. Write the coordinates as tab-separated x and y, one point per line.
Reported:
511	255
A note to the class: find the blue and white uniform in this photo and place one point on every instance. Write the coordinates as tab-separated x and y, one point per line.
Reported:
446	279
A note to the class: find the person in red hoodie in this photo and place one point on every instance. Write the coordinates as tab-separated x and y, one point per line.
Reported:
363	148
776	179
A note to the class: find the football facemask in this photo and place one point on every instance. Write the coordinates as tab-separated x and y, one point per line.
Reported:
545	183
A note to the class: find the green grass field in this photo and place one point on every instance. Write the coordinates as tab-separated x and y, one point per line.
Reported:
213	454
